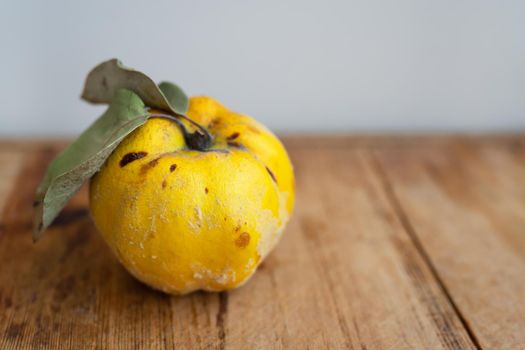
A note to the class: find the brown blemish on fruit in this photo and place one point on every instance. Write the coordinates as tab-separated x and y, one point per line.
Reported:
235	144
149	165
271	174
214	123
238	228
233	136
206	190
173	167
164	184
36	203
130	157
243	240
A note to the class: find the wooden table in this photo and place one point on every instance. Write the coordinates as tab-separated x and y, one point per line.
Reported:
395	243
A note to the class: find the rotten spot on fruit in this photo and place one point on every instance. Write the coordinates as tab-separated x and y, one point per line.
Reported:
233	136
271	174
130	157
206	190
235	144
243	240
173	167
214	122
164	184
149	165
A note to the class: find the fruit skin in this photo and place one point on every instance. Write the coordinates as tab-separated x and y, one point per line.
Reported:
181	220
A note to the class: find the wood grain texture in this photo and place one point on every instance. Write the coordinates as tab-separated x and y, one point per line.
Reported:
395	243
466	205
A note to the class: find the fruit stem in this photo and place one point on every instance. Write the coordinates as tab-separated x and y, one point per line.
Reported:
199	140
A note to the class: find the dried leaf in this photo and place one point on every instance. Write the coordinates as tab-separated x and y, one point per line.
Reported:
107	77
84	157
175	95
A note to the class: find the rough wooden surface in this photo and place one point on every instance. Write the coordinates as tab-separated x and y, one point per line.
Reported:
395	243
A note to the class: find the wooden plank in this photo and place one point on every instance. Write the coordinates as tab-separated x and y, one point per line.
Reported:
32	144
346	275
466	205
10	166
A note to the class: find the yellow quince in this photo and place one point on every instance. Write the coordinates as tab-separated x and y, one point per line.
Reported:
181	219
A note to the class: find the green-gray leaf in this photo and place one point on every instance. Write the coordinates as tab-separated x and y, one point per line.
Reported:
107	77
175	95
84	157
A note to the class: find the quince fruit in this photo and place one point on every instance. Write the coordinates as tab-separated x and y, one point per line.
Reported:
181	218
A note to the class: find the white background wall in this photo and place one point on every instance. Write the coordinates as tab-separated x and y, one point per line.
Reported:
302	65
